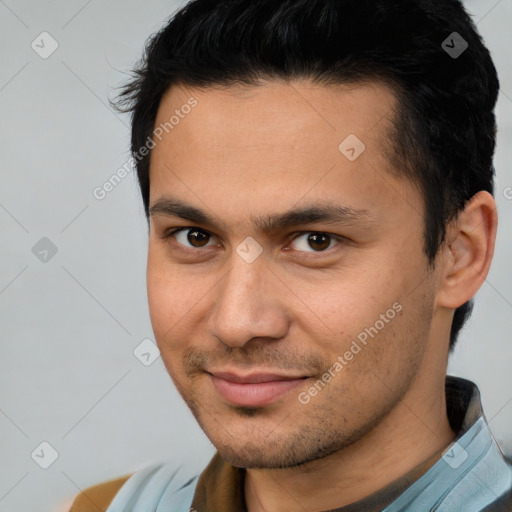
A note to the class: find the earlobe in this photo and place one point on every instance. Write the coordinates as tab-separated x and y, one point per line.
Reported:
468	251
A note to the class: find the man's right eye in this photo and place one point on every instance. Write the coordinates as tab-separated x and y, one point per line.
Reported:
190	237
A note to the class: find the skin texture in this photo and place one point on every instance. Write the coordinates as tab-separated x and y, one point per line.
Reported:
248	152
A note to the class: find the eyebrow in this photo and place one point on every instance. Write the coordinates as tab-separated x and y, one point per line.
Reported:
325	212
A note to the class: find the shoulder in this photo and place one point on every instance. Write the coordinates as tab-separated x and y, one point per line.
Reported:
162	484
98	497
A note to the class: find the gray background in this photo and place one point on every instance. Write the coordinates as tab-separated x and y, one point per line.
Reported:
69	325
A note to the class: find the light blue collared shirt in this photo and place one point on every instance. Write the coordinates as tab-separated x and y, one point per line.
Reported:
471	476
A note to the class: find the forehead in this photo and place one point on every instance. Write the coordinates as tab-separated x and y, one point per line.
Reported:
288	109
281	141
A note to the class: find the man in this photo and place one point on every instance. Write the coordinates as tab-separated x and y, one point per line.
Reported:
318	180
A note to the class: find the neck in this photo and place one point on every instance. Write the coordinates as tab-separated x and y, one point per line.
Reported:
415	430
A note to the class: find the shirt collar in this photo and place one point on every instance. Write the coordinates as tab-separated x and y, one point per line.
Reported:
221	486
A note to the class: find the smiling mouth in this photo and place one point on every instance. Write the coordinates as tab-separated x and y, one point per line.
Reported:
253	390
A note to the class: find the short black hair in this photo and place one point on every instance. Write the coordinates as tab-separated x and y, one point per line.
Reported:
444	127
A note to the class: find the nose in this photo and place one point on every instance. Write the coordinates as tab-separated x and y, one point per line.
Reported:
248	305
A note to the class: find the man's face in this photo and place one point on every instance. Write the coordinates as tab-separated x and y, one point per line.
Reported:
288	340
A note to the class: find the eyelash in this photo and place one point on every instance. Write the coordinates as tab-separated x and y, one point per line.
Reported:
171	234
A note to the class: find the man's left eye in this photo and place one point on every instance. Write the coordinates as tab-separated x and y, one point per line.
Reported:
314	242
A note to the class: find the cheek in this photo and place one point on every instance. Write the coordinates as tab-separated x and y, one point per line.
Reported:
370	313
177	299
343	303
165	312
165	299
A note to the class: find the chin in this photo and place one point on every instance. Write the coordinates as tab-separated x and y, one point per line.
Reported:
292	450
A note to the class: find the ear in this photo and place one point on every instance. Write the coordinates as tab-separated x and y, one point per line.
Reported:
468	250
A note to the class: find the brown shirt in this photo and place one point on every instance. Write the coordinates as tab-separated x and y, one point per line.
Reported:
221	489
98	497
221	486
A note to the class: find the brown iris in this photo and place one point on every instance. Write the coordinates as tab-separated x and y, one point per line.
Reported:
198	238
319	241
